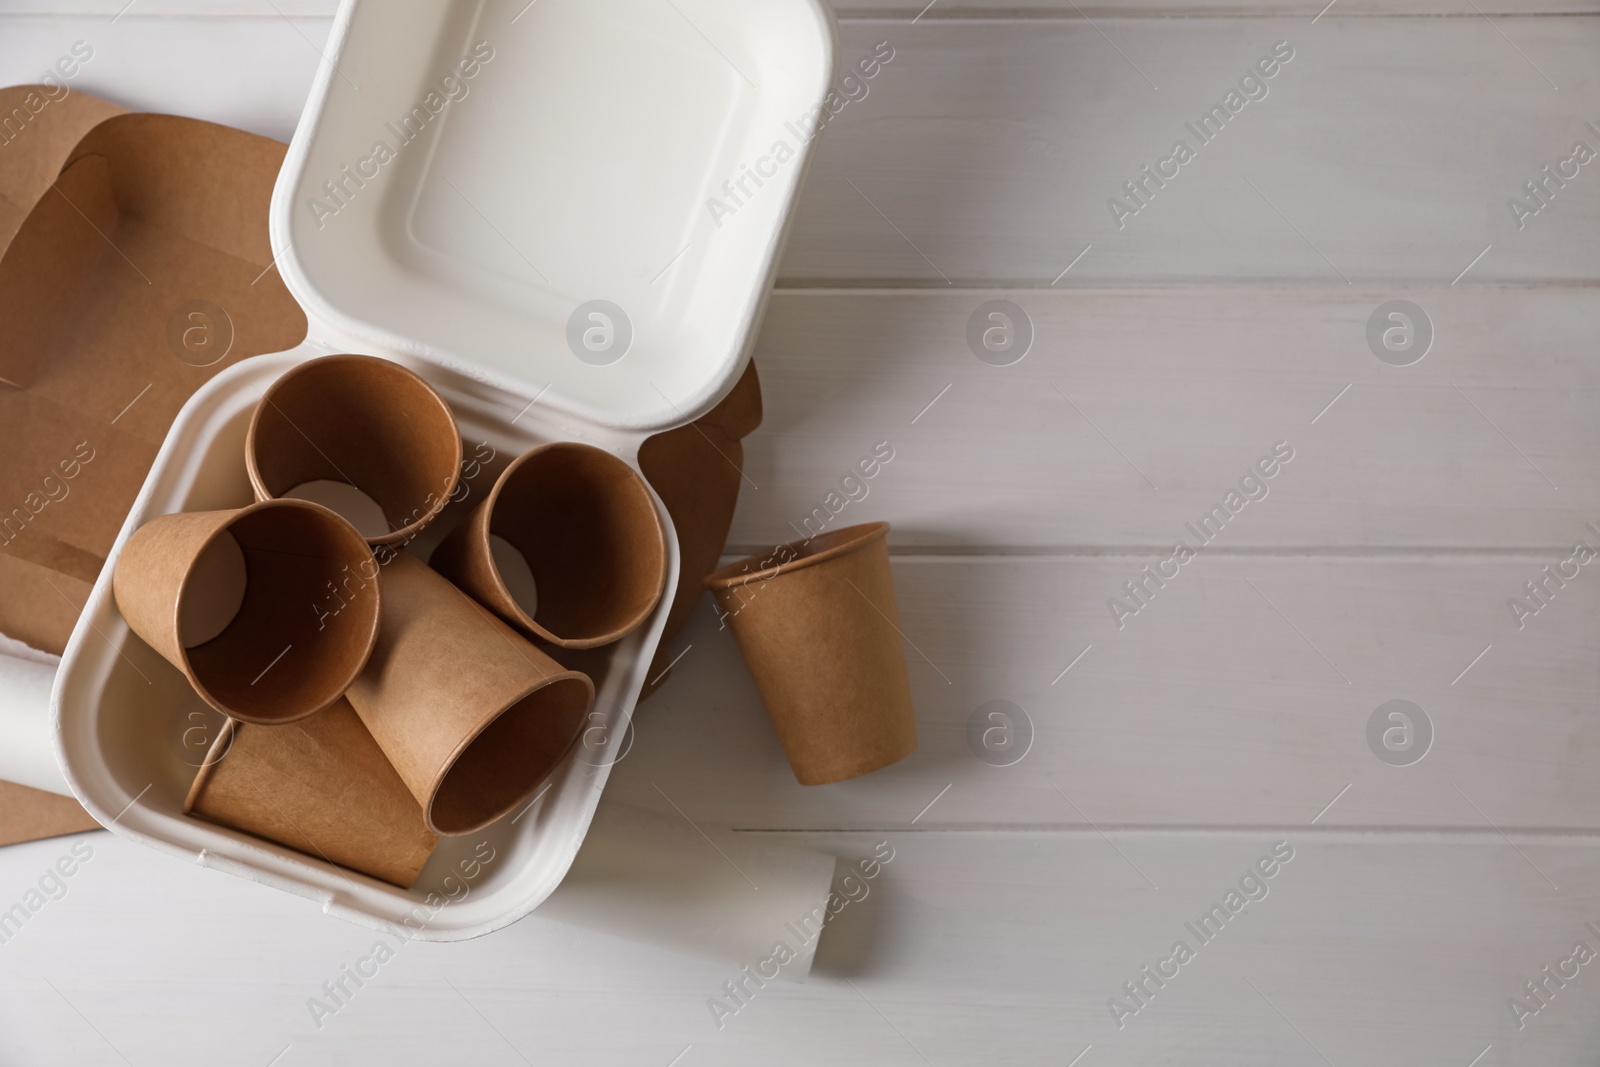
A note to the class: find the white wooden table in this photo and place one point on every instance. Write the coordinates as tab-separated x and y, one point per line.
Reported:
1230	713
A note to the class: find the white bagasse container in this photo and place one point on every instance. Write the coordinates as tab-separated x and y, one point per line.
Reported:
578	165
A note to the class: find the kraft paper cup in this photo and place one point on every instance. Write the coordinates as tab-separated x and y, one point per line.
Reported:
472	716
270	610
322	787
817	626
587	530
363	422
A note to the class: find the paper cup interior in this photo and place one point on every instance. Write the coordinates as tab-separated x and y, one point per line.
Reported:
214	592
363	422
501	767
348	502
304	624
586	526
515	574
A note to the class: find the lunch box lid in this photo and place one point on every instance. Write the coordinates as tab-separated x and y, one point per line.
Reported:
579	203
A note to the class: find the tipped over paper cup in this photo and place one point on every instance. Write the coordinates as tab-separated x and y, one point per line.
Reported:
322	787
270	611
472	716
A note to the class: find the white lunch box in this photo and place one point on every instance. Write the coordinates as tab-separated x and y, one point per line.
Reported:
567	216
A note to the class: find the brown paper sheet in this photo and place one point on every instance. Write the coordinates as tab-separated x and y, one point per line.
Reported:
32	815
34	146
30	159
137	276
89	356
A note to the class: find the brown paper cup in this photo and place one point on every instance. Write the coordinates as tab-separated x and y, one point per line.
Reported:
363	421
472	716
322	787
817	626
270	610
587	526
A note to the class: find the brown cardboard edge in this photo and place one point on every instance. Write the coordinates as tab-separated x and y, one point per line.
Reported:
28	814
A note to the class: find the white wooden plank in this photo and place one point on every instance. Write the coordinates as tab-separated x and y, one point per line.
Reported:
106	10
1487	442
1388	146
1240	695
999	948
955	10
920	10
252	73
986	153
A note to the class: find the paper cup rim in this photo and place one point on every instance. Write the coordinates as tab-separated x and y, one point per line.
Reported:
839	542
405	534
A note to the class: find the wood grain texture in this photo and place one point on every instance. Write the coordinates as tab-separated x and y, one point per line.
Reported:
994	948
179	66
959	10
1136	411
921	10
985	154
1228	714
1238	696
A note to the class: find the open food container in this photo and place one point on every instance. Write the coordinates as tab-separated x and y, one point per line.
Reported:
566	216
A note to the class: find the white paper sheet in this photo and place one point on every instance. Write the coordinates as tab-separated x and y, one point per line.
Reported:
656	880
27	755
